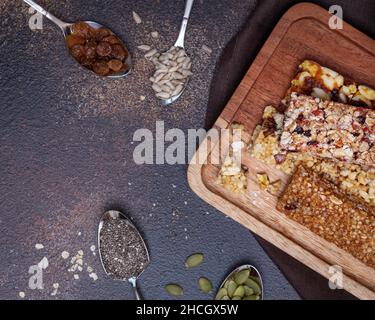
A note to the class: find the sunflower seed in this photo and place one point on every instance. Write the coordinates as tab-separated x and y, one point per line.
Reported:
187	73
150	53
156	88
144	47
174	290
137	18
177	90
163	95
206	49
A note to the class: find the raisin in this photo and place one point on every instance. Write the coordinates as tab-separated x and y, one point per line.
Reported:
118	52
112	40
78	52
335	95
280	158
101	68
115	65
90	50
102	33
300	117
103	49
307	133
73	40
82	29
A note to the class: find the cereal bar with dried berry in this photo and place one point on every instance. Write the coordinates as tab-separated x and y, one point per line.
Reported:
329	130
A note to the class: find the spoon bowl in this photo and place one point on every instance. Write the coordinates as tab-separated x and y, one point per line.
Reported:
66	29
180	43
112	214
253	273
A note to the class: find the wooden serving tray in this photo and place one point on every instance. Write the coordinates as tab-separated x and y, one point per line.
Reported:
302	33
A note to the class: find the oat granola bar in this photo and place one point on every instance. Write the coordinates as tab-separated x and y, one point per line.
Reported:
318	81
329	130
348	177
321	207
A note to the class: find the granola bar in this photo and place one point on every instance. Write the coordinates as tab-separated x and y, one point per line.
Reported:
350	178
321	207
312	79
329	130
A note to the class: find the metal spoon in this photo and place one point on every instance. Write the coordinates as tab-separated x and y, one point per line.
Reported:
180	43
253	272
66	30
112	214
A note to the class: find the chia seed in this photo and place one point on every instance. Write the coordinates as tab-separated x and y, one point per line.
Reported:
123	251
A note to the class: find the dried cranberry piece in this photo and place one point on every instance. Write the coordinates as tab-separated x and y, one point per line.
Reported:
290	206
307	133
361	119
312	143
280	158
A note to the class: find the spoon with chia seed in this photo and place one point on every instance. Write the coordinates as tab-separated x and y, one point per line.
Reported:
67	30
122	250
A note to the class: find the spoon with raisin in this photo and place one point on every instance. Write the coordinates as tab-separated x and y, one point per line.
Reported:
93	46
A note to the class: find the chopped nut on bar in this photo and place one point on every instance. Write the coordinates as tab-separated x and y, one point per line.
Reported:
312	79
320	206
329	130
263	180
232	175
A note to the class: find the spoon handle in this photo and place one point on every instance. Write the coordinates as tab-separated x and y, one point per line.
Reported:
181	37
133	282
61	24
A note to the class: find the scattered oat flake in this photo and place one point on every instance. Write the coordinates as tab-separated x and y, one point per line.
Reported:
55	285
76	276
65	255
155	34
80	252
142	98
94	276
39	246
22	294
89	269
92	248
137	18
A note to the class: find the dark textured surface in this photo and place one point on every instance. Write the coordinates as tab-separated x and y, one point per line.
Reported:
234	62
66	154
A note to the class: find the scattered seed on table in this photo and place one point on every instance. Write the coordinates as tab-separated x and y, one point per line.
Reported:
137	18
194	260
174	289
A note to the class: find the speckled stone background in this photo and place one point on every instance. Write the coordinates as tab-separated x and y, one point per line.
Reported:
66	153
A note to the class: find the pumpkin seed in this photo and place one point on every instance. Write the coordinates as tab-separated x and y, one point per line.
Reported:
256	279
239	292
194	260
242	276
174	290
225	298
205	285
232	286
236	298
253	285
221	293
248	291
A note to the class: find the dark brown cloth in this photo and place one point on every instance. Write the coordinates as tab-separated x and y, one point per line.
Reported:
234	63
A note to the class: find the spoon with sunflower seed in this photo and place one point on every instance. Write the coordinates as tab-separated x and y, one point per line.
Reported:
173	67
243	283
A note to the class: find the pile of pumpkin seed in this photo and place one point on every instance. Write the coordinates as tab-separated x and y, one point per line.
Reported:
204	284
240	286
172	70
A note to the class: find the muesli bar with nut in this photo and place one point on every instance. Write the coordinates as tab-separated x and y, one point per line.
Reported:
320	206
329	130
318	81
